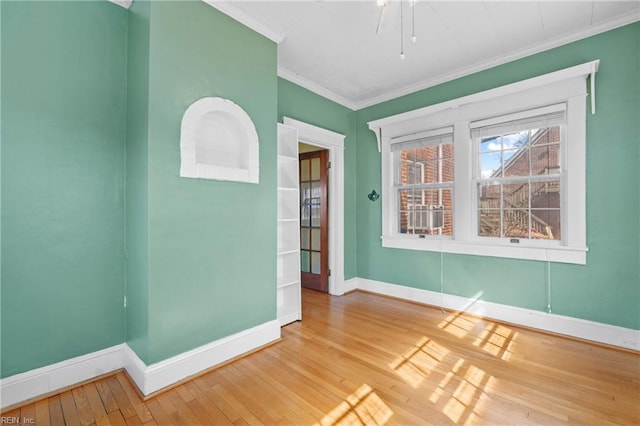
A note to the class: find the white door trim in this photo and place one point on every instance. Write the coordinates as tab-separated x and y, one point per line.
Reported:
334	142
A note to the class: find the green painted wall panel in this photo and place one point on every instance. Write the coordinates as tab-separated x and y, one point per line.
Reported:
137	181
63	98
212	244
607	289
301	104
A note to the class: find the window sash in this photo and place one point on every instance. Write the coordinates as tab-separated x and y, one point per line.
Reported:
422	139
550	116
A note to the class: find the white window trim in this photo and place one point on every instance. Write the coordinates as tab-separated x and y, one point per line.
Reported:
565	86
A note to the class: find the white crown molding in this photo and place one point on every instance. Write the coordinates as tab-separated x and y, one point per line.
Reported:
241	16
36	383
560	324
124	3
463	72
42	381
315	88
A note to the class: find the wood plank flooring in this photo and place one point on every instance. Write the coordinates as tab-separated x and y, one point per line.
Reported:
367	359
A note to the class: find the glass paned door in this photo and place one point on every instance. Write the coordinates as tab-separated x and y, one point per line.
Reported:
313	220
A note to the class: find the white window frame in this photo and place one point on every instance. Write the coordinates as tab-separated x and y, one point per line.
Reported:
503	121
566	86
432	209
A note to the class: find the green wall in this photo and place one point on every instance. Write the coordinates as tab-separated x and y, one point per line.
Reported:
607	289
301	104
93	208
210	245
137	181
63	115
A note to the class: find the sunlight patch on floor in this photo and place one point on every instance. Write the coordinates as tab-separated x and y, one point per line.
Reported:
497	340
465	403
458	324
419	361
363	407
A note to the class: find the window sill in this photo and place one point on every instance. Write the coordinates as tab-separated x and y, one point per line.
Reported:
541	252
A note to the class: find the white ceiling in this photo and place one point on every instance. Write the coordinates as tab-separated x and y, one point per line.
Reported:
331	47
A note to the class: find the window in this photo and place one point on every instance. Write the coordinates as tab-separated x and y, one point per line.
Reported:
424	183
518	175
498	173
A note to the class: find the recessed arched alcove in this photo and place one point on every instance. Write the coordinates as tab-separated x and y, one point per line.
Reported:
218	141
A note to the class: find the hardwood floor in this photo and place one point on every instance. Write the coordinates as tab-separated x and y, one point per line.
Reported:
367	359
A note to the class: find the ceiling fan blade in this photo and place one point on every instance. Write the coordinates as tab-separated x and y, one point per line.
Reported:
380	17
388	17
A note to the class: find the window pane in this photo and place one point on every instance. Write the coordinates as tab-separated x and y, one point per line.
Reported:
489	196
515	195
305	215
515	223
304	169
545	224
545	159
491	144
315	192
315	262
304	238
490	165
446	171
305	193
403	222
315	239
304	261
545	195
489	223
410	171
315	168
315	215
426	211
516	163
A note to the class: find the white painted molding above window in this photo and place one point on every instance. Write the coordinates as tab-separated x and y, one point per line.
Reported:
124	3
219	141
523	100
582	71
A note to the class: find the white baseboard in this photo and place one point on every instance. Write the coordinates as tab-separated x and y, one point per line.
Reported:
350	285
41	381
569	326
152	378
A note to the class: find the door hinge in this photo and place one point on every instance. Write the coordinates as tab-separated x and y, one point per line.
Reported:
328	164
329	272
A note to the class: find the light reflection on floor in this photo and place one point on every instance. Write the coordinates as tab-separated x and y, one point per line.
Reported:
455	387
463	389
363	407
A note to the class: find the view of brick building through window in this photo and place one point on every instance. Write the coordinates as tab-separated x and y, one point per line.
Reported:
519	187
425	190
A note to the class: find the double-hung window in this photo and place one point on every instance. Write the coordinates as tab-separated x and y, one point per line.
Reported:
424	182
497	173
518	175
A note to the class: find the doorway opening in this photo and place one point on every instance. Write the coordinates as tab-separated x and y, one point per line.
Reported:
334	143
314	217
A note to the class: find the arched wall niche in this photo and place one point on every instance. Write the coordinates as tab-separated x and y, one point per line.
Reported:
218	141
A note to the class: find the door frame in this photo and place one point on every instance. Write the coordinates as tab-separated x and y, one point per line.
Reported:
334	143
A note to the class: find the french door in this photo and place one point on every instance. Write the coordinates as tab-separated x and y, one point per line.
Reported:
314	242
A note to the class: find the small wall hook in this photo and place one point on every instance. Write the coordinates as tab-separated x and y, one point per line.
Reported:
373	196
